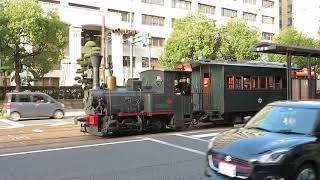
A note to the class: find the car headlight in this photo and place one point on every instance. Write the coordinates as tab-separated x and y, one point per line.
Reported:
273	156
211	142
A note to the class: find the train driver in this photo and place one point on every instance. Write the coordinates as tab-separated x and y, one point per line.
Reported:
184	86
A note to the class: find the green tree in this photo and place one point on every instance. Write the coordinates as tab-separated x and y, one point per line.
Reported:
293	37
85	65
238	39
192	37
30	37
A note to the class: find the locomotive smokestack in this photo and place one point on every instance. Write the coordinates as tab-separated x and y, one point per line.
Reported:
96	61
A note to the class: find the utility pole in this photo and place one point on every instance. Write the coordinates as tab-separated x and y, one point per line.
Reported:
103	50
131	45
149	56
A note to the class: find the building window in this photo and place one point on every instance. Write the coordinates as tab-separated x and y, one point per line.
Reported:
249	1
126	38
152	20
157	2
267	36
172	21
267	4
181	4
267	20
230	82
126	61
290	21
229	12
206	8
145	62
157	42
90	35
125	16
84	6
289	10
249	16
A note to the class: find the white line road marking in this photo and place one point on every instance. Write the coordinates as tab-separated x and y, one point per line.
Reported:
176	146
190	137
204	131
59	124
13	123
37	130
72	147
204	135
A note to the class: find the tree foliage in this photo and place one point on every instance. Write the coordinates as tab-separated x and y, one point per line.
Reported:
85	65
238	39
196	36
192	37
30	37
293	37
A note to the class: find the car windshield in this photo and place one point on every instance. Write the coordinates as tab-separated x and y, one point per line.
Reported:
284	119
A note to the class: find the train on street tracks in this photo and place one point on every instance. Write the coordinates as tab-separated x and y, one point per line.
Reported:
214	91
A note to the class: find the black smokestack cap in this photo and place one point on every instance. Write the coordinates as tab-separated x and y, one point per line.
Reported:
96	61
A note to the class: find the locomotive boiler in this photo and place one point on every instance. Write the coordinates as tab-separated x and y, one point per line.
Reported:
151	103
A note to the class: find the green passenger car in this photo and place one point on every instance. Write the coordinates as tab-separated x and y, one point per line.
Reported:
230	90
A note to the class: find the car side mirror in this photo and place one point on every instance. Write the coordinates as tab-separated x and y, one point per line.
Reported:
246	119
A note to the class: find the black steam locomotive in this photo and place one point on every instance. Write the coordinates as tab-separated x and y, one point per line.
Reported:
215	91
151	103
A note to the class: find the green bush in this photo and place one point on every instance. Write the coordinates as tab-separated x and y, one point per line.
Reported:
63	92
1	110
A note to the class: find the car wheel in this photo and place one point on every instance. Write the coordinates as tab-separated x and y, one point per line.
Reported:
58	114
15	116
307	172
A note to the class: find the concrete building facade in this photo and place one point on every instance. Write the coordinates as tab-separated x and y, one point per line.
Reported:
303	16
156	17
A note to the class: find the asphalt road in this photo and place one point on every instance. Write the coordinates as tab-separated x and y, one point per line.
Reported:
167	156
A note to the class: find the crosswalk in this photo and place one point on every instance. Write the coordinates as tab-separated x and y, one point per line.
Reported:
205	136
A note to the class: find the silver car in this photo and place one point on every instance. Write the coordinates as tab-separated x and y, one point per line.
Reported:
19	105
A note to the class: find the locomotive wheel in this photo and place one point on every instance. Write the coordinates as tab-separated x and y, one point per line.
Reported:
140	124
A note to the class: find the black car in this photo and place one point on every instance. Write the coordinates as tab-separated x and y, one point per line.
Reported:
281	142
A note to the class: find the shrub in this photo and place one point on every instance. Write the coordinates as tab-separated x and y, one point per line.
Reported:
63	92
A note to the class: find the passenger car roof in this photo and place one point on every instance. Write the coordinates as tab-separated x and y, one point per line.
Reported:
245	63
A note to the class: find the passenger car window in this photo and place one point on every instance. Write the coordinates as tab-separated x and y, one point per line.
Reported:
39	99
24	98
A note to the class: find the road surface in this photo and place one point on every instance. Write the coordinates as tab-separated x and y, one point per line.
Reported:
165	156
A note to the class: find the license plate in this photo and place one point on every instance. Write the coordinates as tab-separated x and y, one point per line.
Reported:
227	169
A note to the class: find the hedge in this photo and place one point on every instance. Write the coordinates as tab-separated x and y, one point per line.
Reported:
63	92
